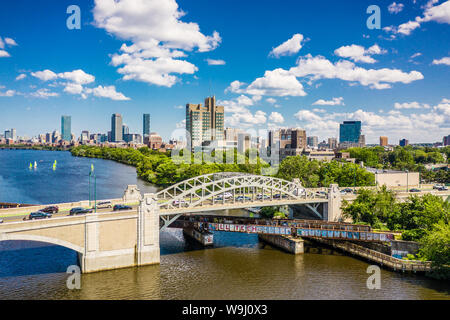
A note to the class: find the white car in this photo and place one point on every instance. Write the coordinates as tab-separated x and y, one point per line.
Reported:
180	202
1	220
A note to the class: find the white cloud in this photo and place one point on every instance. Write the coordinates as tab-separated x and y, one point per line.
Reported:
77	76
21	76
445	60
45	75
439	13
333	102
289	47
278	82
426	123
411	105
321	68
8	93
276	117
359	53
395	7
44	93
213	62
417	54
271	100
107	92
159	38
3	42
181	124
4	54
10	42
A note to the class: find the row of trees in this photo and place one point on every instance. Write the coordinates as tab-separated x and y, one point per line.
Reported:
425	219
401	157
313	173
160	169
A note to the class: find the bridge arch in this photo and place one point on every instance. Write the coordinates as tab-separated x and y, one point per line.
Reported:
198	190
27	237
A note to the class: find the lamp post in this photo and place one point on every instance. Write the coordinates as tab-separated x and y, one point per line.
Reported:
354	179
91	173
407	182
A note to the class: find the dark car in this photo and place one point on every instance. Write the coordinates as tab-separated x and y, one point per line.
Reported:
347	190
51	209
120	207
39	215
414	190
243	198
79	210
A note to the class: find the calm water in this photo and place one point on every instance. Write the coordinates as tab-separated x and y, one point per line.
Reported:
237	267
69	182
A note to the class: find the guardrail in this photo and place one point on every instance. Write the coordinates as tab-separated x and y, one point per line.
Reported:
381	258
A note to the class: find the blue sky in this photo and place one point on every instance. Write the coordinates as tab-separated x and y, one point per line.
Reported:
308	64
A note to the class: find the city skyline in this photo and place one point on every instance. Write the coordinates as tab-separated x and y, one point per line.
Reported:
299	73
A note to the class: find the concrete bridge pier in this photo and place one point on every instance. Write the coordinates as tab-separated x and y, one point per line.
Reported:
135	242
332	209
148	231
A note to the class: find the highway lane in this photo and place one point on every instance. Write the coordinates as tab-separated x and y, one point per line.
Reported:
21	217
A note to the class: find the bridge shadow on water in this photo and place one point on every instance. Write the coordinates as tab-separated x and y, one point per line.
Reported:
21	258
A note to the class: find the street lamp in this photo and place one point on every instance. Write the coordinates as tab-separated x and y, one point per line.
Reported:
91	173
407	182
354	178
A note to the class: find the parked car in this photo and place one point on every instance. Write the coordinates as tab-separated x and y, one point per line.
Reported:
1	220
414	190
39	215
120	207
442	188
104	204
79	210
243	198
437	186
50	209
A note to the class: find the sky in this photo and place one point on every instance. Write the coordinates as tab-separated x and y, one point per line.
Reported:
271	64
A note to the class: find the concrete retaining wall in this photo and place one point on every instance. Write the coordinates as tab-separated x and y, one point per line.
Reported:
286	243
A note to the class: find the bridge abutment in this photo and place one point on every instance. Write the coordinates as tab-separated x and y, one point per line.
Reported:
332	209
147	248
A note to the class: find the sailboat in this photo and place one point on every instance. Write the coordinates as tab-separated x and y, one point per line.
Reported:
35	165
54	165
31	166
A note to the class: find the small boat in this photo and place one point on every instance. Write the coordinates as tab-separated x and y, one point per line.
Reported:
31	166
35	165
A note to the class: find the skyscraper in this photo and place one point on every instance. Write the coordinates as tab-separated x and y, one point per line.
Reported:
125	130
383	141
349	131
66	128
313	141
146	125
116	128
204	123
403	142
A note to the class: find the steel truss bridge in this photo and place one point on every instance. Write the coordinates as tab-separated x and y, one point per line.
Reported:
296	227
231	190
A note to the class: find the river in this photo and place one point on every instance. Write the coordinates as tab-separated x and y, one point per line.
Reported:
236	267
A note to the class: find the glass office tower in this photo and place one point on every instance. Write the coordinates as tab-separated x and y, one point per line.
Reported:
66	129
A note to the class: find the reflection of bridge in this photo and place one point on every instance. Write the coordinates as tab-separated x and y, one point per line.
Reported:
112	240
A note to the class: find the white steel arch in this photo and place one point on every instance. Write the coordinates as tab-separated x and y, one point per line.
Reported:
232	187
